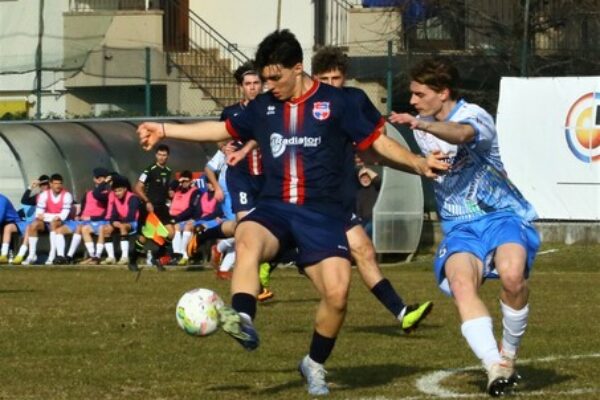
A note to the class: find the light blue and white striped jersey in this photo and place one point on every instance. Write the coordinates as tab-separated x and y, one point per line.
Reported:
477	183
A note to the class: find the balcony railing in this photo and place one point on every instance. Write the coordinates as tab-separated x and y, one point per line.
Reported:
109	5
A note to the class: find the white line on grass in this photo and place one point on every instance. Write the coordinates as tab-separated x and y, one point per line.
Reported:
547	251
430	384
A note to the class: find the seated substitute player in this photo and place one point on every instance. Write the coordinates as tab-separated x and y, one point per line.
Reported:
9	217
485	219
183	208
91	218
122	215
52	209
29	201
302	128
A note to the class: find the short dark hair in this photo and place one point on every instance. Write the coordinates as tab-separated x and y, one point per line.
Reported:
279	47
56	177
186	174
438	74
246	68
43	179
163	147
329	58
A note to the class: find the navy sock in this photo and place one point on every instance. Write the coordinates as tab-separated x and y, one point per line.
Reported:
212	233
244	303
386	294
321	347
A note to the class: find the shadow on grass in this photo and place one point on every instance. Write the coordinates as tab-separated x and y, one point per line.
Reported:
291	301
195	268
345	378
392	330
533	379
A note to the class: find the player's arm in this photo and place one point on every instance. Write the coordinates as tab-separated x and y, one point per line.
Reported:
396	156
134	204
40	207
150	133
212	178
451	132
66	210
239	155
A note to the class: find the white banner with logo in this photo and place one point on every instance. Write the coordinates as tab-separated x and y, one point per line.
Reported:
549	136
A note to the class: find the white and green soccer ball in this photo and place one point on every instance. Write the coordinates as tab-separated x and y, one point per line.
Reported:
198	312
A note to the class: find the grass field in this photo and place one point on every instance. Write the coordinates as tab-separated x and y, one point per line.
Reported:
95	333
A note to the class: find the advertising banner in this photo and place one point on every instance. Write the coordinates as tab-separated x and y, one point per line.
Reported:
549	136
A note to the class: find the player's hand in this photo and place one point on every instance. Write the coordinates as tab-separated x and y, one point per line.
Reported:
149	207
35	183
433	164
149	134
228	148
219	195
404	119
116	224
234	158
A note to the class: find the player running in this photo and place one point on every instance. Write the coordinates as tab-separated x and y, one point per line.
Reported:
329	65
485	219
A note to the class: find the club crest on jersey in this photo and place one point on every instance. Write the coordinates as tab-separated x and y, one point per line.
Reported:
321	110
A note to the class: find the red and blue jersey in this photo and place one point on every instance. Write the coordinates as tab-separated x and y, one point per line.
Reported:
304	143
350	185
252	164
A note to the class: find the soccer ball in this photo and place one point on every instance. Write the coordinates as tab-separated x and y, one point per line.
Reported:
198	312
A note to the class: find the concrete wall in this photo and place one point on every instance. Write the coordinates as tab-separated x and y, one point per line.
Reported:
247	22
369	30
18	41
115	52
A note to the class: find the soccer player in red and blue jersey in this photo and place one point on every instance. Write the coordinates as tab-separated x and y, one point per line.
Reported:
329	65
302	128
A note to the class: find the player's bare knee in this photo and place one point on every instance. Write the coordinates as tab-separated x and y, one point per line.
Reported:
363	252
513	282
463	289
337	297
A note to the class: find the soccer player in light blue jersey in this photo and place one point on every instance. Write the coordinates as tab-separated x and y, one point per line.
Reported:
485	219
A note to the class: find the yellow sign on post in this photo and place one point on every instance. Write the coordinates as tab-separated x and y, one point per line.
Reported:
14	107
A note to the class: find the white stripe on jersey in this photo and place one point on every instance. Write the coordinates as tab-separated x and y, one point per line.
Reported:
293	165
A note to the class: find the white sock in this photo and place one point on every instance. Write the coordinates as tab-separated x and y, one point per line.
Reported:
185	240
4	251
177	242
228	261
75	240
224	245
479	333
89	246
52	252
22	250
124	248
99	250
33	240
110	249
514	323
59	241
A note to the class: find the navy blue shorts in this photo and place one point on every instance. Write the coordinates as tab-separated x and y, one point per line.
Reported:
351	217
244	189
317	236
